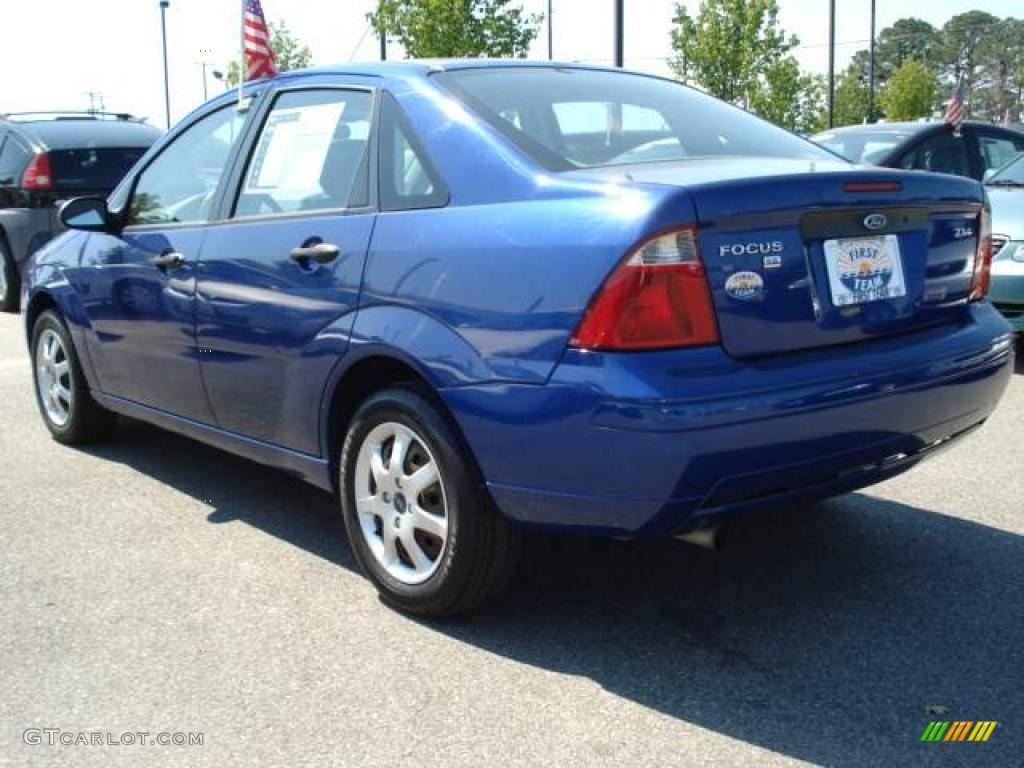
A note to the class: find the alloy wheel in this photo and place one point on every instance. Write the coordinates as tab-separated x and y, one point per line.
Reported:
400	502
53	377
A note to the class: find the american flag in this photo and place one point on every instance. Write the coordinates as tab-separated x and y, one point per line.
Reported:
259	57
955	110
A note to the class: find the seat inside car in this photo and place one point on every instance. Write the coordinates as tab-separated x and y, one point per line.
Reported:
344	173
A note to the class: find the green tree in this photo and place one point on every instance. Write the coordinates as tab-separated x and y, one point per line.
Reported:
790	98
851	97
965	42
730	48
451	28
289	53
996	94
910	92
906	39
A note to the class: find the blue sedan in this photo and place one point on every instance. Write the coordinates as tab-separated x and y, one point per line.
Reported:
470	300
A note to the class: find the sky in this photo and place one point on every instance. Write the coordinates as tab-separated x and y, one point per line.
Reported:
58	51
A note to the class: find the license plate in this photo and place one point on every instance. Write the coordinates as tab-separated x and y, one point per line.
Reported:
864	269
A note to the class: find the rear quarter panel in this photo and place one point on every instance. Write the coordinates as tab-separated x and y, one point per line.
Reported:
507	267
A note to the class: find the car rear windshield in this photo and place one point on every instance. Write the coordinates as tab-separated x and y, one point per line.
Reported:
869	146
92	170
569	118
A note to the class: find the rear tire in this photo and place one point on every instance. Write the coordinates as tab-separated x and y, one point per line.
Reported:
10	280
432	546
62	393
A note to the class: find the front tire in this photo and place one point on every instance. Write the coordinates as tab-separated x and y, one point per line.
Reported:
419	519
62	393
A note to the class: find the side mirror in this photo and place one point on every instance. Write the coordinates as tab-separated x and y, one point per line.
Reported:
86	213
989	173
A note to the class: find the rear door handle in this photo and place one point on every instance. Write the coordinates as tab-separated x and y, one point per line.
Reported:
321	253
169	260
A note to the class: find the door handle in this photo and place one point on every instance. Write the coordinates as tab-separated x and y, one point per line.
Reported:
321	253
169	260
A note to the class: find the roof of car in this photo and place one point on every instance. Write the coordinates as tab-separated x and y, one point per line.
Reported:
86	132
423	67
904	127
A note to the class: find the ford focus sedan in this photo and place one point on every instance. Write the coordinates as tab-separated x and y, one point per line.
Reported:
470	300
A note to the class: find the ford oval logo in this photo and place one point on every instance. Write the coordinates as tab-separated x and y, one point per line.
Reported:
875	221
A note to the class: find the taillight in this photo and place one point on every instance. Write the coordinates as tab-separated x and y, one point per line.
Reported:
655	299
37	175
983	259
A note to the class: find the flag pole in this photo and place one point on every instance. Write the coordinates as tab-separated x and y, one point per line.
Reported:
241	52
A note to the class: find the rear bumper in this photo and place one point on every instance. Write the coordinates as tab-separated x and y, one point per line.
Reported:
645	443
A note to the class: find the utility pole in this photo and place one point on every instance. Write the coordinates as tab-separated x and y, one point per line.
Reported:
383	35
831	63
163	35
551	37
620	47
871	69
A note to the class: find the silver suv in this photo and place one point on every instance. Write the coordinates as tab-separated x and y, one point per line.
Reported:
46	158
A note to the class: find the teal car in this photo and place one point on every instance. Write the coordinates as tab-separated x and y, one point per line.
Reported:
1005	189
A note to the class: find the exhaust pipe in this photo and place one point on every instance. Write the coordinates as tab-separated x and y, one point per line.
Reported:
705	537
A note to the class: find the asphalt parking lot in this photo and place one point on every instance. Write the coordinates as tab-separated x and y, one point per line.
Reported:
153	584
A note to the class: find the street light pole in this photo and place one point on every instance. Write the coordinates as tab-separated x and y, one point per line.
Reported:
620	48
551	37
871	69
383	35
831	63
205	96
163	35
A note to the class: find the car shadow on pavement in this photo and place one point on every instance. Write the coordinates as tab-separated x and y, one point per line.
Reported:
832	634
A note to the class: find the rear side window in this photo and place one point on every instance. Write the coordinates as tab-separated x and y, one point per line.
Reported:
13	159
312	154
575	118
91	170
408	179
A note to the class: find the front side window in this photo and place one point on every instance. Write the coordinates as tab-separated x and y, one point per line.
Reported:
179	185
312	154
575	118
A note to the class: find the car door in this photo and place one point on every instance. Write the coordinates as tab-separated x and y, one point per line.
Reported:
279	280
137	286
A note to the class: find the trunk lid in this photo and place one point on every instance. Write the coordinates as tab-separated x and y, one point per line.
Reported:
804	254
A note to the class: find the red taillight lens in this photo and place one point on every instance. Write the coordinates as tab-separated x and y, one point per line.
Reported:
983	260
37	175
655	299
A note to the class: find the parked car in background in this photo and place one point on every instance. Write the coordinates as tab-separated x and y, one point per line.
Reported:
46	157
448	293
1005	190
979	147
